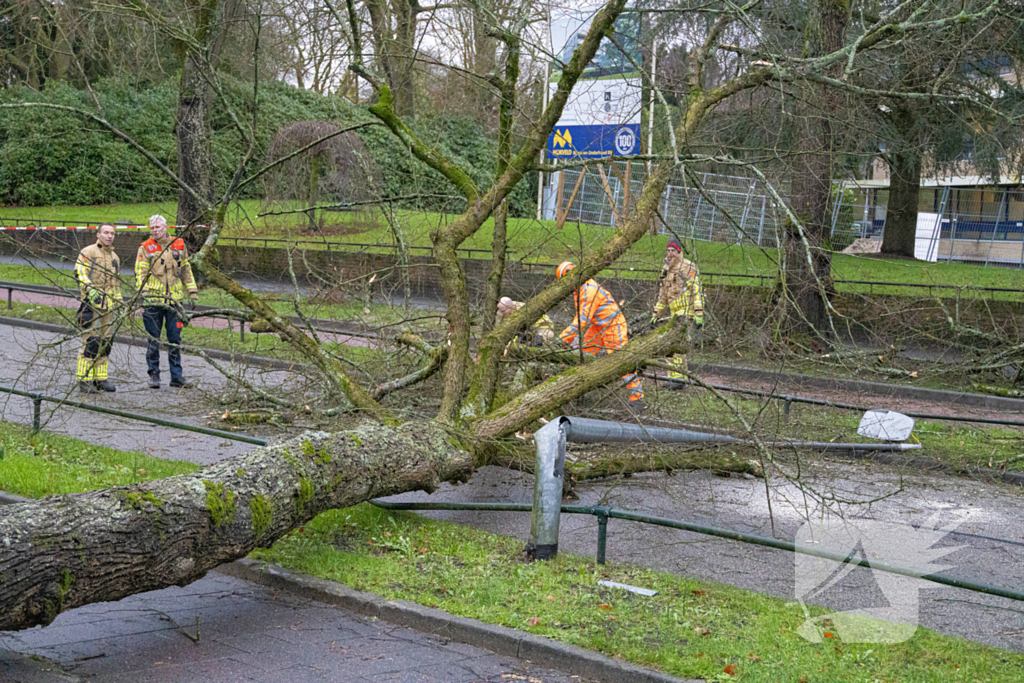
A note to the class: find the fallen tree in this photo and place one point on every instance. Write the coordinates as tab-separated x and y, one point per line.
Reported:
65	551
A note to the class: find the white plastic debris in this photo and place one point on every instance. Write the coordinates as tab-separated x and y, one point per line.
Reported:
632	589
885	425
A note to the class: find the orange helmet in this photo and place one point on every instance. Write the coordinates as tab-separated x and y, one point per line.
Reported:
563	268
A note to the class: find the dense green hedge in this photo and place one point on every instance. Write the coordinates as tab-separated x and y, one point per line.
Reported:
54	157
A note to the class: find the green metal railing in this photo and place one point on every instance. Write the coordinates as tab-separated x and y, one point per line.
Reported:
38	398
603	514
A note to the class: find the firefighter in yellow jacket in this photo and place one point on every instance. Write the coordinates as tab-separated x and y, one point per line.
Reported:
680	295
163	274
97	269
602	326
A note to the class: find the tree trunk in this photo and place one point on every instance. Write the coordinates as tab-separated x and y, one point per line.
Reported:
904	188
404	50
195	158
62	552
808	265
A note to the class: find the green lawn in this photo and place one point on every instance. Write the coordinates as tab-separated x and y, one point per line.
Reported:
693	629
35	465
538	241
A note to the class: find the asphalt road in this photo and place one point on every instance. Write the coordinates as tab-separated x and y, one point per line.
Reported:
44	361
225	630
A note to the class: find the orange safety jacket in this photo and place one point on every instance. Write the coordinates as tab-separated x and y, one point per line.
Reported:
598	316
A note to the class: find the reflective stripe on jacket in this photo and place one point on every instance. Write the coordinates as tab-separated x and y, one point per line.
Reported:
599	318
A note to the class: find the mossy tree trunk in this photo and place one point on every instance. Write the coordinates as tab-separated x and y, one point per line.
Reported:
66	551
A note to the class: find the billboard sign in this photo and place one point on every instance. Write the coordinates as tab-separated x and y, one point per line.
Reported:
602	116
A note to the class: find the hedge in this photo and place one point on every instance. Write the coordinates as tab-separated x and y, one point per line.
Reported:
51	157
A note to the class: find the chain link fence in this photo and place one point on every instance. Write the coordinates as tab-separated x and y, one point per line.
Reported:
977	225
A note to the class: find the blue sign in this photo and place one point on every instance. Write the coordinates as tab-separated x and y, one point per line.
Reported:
587	142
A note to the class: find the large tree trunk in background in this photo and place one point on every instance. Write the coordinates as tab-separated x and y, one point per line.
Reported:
195	159
192	128
484	62
66	551
405	53
901	214
808	275
904	187
394	49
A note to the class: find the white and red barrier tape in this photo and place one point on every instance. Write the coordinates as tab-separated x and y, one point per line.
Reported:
82	227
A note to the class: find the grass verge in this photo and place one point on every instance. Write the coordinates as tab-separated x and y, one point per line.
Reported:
955	444
43	464
693	629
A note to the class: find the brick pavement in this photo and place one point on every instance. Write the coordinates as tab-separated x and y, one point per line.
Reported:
246	632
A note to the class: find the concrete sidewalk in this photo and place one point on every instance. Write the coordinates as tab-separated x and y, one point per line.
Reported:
246	632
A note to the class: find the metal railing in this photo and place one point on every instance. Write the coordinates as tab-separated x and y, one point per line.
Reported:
38	399
603	514
789	399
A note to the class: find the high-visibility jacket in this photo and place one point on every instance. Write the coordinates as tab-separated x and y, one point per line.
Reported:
97	271
599	320
680	292
162	271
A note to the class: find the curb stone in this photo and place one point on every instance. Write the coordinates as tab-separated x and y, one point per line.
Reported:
499	639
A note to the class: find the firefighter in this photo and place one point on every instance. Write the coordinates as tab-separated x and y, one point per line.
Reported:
163	274
543	329
97	268
603	328
680	295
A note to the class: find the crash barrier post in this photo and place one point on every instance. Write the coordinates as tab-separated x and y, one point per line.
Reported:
552	437
789	546
38	398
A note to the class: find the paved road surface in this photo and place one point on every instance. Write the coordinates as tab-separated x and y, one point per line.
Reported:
45	361
246	632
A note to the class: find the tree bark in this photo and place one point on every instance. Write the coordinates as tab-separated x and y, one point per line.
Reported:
62	552
808	265
195	159
904	187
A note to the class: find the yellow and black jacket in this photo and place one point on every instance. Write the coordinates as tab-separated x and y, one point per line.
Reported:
162	271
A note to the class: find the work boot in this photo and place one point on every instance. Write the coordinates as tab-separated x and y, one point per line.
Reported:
87	388
180	383
154	380
105	385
